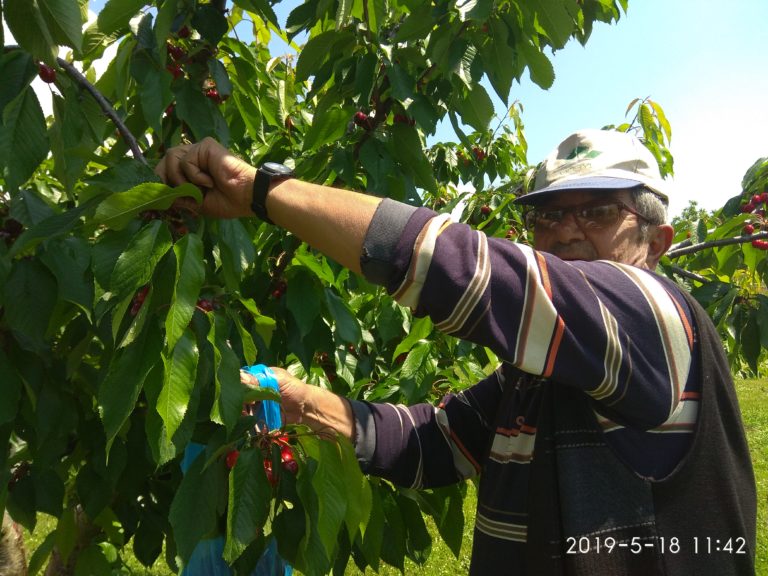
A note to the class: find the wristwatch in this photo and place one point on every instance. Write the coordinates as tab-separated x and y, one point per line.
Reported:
266	174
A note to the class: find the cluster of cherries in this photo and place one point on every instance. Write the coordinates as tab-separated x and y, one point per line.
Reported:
178	56
756	205
175	218
264	442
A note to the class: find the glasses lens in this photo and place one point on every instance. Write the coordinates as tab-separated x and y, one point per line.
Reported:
598	216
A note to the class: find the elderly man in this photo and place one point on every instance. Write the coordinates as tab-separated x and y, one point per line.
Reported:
609	441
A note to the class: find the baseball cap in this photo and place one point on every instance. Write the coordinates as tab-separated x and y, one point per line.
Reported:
596	160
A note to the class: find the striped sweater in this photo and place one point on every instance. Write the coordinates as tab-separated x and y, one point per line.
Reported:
622	336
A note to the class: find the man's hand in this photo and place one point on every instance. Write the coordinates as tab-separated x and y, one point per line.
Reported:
225	179
319	409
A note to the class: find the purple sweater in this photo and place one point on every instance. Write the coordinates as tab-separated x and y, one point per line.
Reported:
620	334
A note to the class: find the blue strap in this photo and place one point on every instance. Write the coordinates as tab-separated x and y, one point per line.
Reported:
269	410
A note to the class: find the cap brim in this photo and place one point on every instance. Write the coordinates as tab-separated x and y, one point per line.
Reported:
597	183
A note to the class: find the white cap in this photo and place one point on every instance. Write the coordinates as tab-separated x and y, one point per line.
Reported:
596	160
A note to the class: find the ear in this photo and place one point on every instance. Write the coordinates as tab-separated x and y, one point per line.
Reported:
658	243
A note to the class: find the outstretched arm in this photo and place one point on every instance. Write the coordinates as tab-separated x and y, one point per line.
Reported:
331	220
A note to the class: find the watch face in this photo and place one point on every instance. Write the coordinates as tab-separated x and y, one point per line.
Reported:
275	169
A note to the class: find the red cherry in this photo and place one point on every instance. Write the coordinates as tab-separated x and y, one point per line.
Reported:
271	476
47	74
291	466
747	208
756	199
277	293
231	458
175	69
748	229
485	209
205	305
175	52
764	197
479	153
363	120
184	32
169	110
213	94
286	454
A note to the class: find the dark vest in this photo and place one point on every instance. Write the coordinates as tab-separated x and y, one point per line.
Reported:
591	515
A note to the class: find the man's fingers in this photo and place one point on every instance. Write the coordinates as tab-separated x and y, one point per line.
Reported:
249	379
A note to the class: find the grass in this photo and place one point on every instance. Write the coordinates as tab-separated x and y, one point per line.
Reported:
753	397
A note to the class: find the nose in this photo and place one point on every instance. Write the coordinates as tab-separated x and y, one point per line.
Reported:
568	229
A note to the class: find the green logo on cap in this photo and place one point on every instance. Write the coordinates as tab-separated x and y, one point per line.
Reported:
583	152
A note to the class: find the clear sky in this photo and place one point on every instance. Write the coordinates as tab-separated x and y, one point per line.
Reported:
703	61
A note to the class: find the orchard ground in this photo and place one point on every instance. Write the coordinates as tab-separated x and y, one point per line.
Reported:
753	396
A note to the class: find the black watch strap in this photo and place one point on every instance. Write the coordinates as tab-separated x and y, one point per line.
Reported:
266	174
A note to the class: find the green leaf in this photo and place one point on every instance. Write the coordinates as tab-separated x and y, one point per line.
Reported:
17	69
347	326
420	330
116	14
210	23
476	107
539	66
70	259
23	138
127	173
236	250
418	542
417	24
92	560
10	390
135	266
500	59
409	151
190	275
314	54
554	17
120	389
229	391
154	87
178	383
117	210
26	23
249	497
195	508
200	113
52	227
64	21
32	289
662	118
329	485
303	301
327	126
358	490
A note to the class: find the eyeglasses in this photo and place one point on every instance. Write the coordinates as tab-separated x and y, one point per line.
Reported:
590	216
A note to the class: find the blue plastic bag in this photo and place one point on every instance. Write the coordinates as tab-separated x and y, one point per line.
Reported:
207	557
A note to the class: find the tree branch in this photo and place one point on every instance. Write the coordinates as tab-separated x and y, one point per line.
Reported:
686	274
106	107
677	252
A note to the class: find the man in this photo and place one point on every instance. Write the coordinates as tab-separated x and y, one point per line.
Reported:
609	441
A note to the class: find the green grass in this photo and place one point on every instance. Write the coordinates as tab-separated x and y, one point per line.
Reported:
753	397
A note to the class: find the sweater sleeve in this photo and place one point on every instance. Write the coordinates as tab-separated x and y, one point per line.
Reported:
621	334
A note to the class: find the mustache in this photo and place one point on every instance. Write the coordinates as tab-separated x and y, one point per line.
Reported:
578	250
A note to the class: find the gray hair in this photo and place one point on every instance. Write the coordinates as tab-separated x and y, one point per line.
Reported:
653	209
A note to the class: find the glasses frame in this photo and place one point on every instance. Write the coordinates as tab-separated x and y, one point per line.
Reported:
581	220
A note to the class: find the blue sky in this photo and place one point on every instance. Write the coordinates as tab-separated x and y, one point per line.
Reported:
703	61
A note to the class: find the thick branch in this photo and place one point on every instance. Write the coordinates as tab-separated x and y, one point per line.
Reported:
677	252
106	107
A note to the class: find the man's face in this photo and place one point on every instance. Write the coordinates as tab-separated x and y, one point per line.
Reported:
569	239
